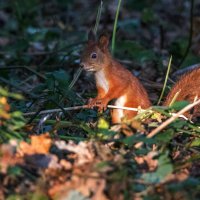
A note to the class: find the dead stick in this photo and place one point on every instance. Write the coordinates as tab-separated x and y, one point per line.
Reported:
125	108
56	110
168	121
78	108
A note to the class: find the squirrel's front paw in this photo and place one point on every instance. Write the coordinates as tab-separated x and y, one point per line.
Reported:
92	102
100	103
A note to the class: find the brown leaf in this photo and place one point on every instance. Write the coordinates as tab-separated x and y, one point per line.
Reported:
88	186
39	144
66	164
8	157
148	159
83	150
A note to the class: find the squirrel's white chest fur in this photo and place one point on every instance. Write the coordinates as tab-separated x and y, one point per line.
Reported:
121	101
101	80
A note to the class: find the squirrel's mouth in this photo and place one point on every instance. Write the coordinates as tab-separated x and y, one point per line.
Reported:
88	68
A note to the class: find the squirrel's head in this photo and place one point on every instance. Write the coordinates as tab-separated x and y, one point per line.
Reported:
95	55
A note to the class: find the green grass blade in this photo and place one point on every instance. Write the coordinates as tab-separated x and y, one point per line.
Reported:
115	27
98	17
166	77
79	71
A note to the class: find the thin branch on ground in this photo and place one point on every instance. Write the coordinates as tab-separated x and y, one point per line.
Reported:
168	121
78	108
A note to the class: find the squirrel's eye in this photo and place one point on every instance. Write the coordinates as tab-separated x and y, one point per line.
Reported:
93	55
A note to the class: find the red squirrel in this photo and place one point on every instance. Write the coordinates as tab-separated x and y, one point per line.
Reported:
113	81
187	88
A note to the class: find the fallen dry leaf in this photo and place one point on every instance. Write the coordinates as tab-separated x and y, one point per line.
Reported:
83	150
66	164
88	185
148	159
40	144
8	158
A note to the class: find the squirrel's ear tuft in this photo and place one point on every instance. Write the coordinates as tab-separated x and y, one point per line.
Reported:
103	41
91	36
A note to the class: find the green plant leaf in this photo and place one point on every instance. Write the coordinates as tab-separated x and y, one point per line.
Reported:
165	136
195	143
178	105
164	168
135	51
14	171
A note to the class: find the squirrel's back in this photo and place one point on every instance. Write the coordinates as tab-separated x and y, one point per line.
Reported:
187	88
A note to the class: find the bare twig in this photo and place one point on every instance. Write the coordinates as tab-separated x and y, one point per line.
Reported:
87	107
168	121
56	110
125	108
78	108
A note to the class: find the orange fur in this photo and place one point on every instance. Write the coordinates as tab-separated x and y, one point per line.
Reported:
189	87
113	81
